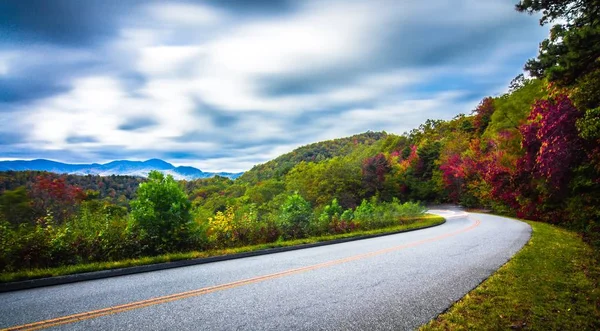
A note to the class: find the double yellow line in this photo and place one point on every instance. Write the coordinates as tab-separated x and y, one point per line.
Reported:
178	296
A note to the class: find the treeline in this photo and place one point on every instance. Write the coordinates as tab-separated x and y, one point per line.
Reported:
116	189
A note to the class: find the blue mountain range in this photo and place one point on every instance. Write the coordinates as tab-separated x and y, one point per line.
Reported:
121	167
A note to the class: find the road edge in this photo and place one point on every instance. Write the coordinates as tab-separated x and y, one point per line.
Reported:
516	316
424	325
66	279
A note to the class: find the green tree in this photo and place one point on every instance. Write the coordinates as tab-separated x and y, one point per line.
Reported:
323	181
15	206
294	216
573	48
162	212
512	109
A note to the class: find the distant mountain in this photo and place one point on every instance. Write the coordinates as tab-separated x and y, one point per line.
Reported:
120	167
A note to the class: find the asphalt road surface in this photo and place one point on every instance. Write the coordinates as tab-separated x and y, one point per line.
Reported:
395	282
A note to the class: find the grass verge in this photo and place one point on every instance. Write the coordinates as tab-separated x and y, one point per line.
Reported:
551	284
421	222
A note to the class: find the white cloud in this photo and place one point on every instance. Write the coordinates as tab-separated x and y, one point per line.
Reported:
97	106
316	39
190	61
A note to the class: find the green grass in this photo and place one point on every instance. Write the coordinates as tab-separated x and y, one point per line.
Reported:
551	284
410	224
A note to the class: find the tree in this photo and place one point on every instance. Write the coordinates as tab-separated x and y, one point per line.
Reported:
552	133
374	170
453	175
573	48
483	114
320	182
428	153
511	109
162	212
294	216
15	206
51	194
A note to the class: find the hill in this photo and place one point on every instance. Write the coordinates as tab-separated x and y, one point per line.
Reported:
314	152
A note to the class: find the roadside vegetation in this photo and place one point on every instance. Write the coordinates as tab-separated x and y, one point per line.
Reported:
163	225
551	284
404	225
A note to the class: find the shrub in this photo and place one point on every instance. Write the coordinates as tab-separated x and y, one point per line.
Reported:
330	220
162	211
373	215
294	216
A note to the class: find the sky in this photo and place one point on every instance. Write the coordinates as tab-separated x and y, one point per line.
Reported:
223	85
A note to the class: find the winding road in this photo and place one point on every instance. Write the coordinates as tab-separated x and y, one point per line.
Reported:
395	282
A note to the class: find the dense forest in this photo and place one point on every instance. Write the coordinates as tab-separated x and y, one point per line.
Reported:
533	152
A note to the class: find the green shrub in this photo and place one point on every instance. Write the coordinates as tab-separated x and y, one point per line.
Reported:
162	211
330	220
294	217
347	215
374	215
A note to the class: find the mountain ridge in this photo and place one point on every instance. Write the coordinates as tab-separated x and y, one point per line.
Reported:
116	167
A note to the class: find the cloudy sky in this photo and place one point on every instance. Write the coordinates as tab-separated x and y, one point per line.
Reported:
225	84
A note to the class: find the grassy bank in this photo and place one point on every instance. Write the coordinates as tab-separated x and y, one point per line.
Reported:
551	284
421	222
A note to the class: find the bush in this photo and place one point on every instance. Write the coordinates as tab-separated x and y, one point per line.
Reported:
162	211
331	221
240	226
294	217
373	215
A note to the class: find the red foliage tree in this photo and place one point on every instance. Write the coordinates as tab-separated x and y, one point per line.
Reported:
552	140
552	149
53	194
453	175
374	170
483	114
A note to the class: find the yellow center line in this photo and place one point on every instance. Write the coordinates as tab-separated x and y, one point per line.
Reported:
178	296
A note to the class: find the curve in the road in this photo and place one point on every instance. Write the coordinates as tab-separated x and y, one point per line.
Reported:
178	296
393	282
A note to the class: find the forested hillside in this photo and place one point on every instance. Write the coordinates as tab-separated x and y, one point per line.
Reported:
316	152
